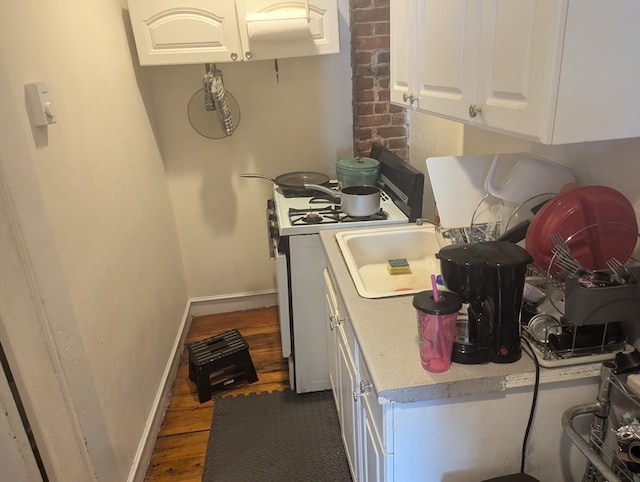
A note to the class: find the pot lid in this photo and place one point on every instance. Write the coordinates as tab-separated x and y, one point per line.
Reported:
487	253
357	163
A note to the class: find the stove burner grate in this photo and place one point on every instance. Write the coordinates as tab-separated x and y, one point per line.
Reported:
312	218
379	216
328	215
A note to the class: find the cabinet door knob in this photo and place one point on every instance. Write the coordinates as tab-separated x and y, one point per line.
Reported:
408	98
334	321
248	55
364	386
234	56
474	110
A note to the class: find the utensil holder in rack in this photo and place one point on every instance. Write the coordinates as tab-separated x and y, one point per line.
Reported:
595	305
591	304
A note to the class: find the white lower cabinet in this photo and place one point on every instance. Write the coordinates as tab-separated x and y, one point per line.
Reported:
361	416
349	408
475	437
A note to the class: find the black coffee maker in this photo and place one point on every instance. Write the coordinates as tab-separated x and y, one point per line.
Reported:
489	276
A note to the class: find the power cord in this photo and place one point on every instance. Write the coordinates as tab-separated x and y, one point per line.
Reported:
536	386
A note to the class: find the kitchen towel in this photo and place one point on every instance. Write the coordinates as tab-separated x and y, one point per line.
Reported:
278	26
278	436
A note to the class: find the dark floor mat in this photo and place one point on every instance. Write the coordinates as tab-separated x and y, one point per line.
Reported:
277	436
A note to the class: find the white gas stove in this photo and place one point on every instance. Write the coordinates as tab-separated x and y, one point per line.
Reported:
294	221
309	214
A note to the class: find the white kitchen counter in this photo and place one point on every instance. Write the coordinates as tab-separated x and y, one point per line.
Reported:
387	334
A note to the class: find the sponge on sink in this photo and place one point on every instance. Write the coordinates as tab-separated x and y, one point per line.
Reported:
398	266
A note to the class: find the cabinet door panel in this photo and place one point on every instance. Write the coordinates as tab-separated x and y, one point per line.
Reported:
333	317
184	32
519	65
376	463
323	31
445	67
380	416
598	96
402	25
350	407
510	56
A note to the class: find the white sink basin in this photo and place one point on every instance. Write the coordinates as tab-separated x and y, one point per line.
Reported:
366	252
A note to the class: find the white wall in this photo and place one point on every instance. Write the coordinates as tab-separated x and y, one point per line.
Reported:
615	164
304	122
92	215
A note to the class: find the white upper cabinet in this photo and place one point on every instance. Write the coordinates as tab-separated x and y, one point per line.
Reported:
553	71
171	32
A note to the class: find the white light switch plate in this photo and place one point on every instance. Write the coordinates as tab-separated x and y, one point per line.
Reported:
39	106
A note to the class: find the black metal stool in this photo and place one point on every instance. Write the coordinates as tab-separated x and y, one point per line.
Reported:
220	361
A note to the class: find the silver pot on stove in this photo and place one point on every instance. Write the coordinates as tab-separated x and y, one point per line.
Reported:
355	201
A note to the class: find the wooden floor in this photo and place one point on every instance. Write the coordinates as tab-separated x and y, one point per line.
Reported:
182	441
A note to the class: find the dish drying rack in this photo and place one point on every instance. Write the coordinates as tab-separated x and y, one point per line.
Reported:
577	309
612	445
584	309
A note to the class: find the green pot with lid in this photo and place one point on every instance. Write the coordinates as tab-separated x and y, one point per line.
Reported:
357	171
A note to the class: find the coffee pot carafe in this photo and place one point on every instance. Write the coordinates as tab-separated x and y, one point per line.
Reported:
489	276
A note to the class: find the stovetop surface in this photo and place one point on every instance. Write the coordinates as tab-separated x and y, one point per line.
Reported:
329	211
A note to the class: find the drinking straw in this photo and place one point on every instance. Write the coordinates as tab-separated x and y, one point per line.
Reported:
434	286
442	341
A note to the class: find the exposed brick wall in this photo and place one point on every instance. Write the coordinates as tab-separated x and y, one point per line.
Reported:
374	118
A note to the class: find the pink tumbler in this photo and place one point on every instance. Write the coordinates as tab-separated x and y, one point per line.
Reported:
437	316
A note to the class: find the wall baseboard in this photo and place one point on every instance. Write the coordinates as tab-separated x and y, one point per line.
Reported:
194	307
235	302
